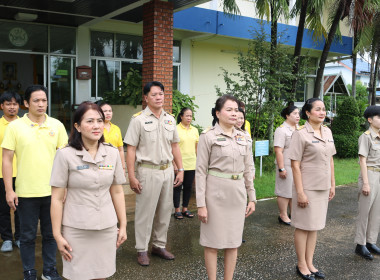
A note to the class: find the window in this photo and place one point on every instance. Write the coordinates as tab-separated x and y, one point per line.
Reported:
113	55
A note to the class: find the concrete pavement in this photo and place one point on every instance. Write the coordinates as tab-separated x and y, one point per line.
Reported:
267	254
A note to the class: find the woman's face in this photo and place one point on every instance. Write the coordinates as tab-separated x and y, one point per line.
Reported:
239	119
293	117
228	114
317	113
91	126
187	117
107	110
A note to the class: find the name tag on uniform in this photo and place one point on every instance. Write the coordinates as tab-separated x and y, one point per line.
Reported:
148	122
221	139
330	140
81	167
316	141
106	166
168	122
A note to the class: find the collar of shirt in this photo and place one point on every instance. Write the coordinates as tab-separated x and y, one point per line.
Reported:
184	127
373	133
4	120
310	129
219	130
100	154
289	126
46	123
148	112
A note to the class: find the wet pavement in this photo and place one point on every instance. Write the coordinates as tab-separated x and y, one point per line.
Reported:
267	254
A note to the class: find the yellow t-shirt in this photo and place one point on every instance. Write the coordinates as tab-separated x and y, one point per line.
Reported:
188	138
35	147
248	127
3	125
113	136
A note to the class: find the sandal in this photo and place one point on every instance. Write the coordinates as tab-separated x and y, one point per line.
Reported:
178	215
188	214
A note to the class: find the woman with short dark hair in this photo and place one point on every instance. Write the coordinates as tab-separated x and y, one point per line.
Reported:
86	228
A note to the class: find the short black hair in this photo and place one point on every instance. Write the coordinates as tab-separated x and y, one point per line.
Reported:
288	110
9	95
372	111
308	106
30	89
149	85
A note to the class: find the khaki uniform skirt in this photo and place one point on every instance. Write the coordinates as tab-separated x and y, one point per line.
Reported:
94	253
284	186
313	216
226	202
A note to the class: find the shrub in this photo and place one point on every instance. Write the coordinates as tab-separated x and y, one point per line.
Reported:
180	101
347	145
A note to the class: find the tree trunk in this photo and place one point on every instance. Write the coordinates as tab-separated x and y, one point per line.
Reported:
298	46
354	58
273	46
372	94
326	49
374	83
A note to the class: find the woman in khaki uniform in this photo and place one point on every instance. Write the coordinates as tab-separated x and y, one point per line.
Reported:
284	174
368	222
85	228
224	176
311	153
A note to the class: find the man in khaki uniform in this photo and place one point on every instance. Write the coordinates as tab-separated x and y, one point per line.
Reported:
368	220
152	140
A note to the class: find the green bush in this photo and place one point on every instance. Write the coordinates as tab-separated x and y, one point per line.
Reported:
346	145
346	128
180	101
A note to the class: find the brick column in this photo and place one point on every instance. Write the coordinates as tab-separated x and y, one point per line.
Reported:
158	47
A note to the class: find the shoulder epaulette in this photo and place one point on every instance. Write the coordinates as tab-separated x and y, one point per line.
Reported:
172	115
325	125
282	125
206	130
137	114
367	132
300	127
109	144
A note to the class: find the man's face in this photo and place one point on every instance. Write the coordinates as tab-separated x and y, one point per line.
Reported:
155	98
37	104
10	108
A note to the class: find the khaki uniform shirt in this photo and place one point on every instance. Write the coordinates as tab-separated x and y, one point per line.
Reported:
315	154
88	203
226	154
152	137
369	147
282	137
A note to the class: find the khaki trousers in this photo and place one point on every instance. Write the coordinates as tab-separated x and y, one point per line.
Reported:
153	207
368	220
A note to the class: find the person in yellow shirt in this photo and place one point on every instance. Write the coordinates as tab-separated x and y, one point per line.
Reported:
247	125
189	138
112	133
34	139
10	103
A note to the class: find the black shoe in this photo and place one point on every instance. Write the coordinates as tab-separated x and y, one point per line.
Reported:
305	276
373	248
282	222
362	251
318	274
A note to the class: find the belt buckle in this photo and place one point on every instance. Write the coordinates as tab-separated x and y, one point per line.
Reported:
235	177
163	167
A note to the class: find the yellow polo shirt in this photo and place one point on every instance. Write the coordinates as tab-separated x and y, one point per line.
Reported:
3	125
35	147
113	136
248	127
188	138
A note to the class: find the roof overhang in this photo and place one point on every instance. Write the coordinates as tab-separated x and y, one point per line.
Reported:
83	12
335	84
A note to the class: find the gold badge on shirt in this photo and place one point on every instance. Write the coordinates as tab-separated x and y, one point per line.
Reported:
106	166
52	133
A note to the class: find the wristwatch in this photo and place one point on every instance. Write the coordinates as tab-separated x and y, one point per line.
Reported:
281	169
181	169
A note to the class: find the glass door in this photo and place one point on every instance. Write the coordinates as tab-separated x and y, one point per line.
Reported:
61	88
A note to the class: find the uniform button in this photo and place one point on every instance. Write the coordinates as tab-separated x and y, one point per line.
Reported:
97	208
94	168
96	182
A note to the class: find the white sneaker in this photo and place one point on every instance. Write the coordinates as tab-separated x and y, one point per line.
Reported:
7	246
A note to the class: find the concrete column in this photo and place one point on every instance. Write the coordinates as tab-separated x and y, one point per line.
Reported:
158	47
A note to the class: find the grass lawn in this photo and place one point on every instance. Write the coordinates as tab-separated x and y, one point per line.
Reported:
346	172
